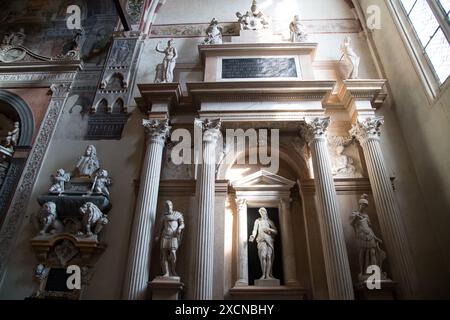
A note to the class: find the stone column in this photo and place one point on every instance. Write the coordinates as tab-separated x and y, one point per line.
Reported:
204	257
138	268
242	243
287	241
368	133
337	267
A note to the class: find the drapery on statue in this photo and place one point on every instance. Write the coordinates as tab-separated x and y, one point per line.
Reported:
88	163
351	58
298	30
264	231
172	226
169	61
213	33
370	252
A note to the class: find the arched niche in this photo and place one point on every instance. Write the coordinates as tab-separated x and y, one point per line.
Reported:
16	109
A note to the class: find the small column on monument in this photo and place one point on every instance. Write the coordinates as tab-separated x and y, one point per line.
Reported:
242	243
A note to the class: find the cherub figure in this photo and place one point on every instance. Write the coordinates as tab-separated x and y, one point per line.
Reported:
59	181
101	182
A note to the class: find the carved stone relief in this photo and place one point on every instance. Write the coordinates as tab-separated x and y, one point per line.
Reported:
343	165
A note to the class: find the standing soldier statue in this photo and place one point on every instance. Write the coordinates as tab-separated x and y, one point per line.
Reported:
172	225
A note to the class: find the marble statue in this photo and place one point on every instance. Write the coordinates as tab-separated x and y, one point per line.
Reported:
254	19
172	226
169	61
298	30
264	231
93	219
343	165
41	272
12	138
213	33
47	219
351	58
88	163
59	181
370	252
101	183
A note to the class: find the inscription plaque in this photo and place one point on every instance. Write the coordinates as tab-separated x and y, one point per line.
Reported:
247	68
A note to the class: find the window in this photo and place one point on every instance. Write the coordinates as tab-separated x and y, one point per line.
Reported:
429	23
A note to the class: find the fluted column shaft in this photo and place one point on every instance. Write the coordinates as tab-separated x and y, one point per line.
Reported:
337	267
204	258
368	133
287	240
138	267
242	243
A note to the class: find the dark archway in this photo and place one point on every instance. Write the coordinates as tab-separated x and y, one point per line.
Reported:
17	109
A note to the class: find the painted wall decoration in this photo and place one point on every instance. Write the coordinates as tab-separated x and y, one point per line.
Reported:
44	24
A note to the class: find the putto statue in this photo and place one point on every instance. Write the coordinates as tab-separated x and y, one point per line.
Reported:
88	163
14	39
370	252
172	226
264	231
213	33
169	61
12	138
298	30
101	183
47	221
351	58
59	181
93	219
254	19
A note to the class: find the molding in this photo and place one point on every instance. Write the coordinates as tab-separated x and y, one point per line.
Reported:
163	93
35	79
343	186
55	66
188	187
257	49
273	91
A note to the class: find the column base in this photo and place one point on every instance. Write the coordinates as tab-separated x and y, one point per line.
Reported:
387	291
166	288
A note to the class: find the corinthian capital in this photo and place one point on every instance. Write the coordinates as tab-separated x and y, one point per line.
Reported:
314	128
210	128
60	90
157	130
369	128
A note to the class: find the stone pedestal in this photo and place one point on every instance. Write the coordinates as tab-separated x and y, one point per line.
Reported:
267	283
258	36
387	291
267	293
166	288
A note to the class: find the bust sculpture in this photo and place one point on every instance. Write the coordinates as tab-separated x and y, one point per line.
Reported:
169	61
264	231
351	58
172	226
298	30
253	19
59	181
213	33
369	251
88	163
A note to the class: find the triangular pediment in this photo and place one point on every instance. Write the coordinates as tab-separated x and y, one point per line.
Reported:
263	178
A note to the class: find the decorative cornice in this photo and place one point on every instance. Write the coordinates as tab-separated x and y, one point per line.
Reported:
237	49
152	93
314	128
348	185
365	89
369	128
157	130
16	79
259	91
